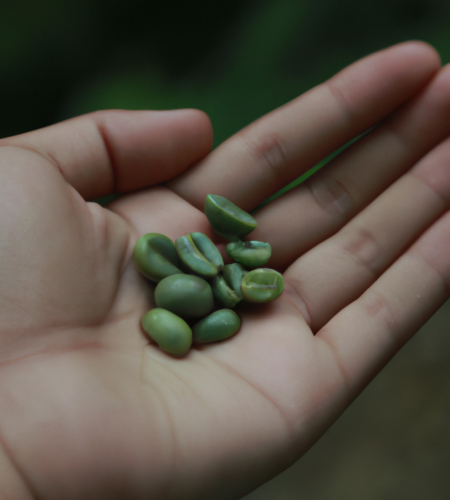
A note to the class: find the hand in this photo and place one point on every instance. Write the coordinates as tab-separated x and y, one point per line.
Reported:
90	408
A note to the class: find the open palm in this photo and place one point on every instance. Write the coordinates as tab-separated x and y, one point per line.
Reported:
90	409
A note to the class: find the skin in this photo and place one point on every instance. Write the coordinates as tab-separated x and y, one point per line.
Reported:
90	408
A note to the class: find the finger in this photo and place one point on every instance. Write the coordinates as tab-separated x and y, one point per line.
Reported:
120	151
339	270
279	147
367	333
312	212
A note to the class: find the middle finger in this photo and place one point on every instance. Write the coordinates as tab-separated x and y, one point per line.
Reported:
318	208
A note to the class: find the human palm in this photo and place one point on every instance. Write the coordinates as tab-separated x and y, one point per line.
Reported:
90	407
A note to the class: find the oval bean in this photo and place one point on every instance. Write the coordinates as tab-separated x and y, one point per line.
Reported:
171	333
217	326
186	295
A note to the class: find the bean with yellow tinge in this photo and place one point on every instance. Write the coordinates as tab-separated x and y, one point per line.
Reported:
219	325
155	257
262	285
171	333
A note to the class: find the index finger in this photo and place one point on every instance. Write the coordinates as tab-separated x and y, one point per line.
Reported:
276	149
117	151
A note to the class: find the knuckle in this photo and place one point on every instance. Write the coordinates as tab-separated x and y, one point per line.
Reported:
376	306
341	99
268	152
295	297
331	195
363	247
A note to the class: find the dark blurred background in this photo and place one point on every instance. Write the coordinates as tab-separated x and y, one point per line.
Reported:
237	60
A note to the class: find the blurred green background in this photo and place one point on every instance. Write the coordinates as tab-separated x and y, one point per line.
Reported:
237	60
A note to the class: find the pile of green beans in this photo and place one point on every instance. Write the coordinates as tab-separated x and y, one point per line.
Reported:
193	280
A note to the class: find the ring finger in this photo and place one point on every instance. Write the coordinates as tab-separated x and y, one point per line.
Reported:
341	268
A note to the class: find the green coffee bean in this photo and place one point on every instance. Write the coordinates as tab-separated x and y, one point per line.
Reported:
249	253
179	295
155	257
170	332
208	249
226	218
223	294
194	260
186	295
262	285
219	325
233	274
